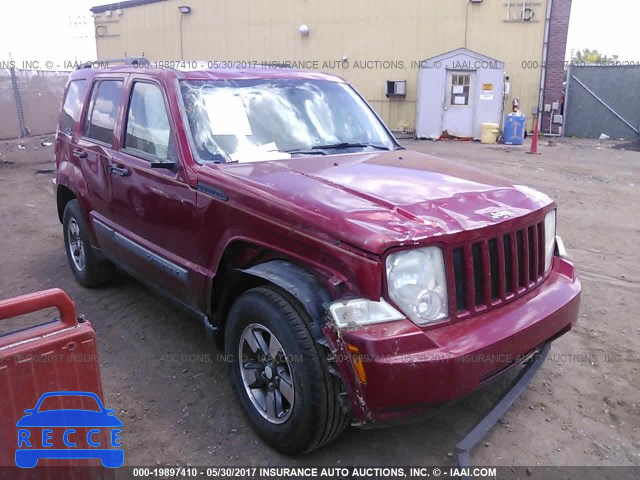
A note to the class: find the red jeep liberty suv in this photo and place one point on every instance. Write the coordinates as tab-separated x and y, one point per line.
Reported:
351	281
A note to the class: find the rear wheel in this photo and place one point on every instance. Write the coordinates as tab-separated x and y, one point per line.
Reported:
279	373
87	267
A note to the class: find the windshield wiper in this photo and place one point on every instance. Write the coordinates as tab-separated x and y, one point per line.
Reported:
304	152
318	149
348	145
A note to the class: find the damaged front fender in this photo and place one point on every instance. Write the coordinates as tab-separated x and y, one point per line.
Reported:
301	284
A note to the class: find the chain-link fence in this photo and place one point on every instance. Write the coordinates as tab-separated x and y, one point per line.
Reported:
29	101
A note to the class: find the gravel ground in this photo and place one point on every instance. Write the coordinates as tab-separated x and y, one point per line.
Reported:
170	388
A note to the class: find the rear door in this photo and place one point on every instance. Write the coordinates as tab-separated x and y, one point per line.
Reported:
153	204
94	150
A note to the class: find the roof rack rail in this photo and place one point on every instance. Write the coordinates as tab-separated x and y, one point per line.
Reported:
135	61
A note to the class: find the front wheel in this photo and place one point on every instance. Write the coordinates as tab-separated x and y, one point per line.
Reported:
278	372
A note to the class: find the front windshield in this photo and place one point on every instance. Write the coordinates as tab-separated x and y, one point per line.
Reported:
271	119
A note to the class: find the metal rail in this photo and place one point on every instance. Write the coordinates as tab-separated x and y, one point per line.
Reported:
137	61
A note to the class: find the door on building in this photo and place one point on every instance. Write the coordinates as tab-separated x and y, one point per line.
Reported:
458	110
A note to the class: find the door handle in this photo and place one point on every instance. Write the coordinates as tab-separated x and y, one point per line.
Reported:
122	171
79	153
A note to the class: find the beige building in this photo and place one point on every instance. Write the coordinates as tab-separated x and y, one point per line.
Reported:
368	42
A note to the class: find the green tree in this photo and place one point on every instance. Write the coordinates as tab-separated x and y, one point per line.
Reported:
590	56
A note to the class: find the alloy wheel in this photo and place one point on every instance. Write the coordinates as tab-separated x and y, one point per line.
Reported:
76	245
266	373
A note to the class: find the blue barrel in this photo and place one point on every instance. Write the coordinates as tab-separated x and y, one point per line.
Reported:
513	133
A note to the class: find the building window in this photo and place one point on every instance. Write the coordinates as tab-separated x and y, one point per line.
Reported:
460	87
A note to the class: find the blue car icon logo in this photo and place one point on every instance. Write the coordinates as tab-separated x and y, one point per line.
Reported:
52	430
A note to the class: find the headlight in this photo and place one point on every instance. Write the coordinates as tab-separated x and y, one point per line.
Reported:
416	282
549	238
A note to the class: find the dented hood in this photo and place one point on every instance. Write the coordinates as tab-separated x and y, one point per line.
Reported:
374	201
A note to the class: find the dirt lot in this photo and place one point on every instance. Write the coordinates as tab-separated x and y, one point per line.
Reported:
164	379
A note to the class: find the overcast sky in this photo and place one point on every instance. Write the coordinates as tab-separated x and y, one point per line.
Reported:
47	30
611	27
63	30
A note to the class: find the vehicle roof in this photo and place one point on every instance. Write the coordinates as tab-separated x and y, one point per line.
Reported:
203	73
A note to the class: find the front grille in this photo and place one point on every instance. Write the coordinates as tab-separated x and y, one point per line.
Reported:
496	269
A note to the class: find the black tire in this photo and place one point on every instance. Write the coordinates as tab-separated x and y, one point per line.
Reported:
92	271
316	416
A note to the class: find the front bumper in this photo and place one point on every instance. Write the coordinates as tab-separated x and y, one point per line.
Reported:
410	371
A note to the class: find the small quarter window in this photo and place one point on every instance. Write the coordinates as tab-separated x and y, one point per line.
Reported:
72	106
105	103
148	127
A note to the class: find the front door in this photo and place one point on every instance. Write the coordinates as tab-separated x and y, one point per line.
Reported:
457	117
154	207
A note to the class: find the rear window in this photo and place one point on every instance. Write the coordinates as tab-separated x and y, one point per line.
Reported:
72	106
105	103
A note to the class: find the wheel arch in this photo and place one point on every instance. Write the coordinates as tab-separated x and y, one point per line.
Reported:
63	196
297	281
71	185
239	272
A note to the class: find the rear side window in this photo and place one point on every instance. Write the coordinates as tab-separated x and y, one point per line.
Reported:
105	103
148	129
72	106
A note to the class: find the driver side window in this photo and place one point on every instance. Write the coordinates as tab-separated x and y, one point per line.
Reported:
148	128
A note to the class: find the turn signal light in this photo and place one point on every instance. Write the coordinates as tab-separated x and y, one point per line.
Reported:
357	362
